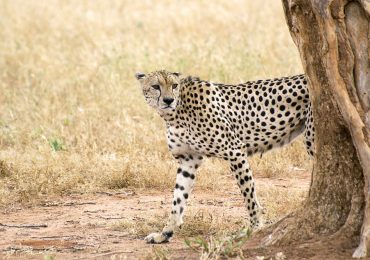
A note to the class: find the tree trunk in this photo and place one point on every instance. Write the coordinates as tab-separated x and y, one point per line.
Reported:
333	40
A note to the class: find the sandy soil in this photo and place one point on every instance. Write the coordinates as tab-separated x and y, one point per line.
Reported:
79	226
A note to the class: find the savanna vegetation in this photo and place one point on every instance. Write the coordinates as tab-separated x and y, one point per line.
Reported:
72	118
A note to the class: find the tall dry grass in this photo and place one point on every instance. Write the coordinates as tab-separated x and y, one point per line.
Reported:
72	117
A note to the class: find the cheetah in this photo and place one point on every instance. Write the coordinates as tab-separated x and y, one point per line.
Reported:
233	122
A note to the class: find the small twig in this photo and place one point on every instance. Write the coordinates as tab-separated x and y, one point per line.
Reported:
53	237
68	204
130	193
79	203
104	193
94	211
111	217
25	226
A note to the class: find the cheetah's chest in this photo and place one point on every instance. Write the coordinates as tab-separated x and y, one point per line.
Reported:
210	137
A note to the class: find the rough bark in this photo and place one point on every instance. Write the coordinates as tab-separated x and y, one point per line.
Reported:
333	40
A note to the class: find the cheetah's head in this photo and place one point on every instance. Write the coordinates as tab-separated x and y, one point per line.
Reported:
161	89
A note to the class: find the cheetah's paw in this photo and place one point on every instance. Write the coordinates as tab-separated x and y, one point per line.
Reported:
156	238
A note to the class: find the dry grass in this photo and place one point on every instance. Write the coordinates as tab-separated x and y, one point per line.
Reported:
198	222
72	117
279	202
203	220
214	227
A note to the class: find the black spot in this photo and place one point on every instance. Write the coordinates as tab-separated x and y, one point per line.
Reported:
185	174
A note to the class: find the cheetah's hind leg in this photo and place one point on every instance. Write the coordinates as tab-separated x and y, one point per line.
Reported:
243	174
309	132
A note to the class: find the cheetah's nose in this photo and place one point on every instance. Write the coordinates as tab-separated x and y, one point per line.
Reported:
168	101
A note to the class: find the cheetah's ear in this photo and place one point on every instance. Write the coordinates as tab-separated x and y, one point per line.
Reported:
139	75
177	74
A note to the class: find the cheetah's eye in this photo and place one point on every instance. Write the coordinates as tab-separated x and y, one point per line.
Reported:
174	86
157	87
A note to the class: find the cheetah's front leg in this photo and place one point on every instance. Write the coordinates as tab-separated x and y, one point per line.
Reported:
184	184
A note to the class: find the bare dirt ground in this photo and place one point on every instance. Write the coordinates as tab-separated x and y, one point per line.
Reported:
81	226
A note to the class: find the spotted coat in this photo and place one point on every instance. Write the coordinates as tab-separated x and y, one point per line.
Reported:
231	122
